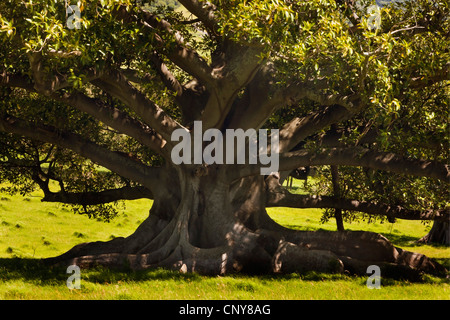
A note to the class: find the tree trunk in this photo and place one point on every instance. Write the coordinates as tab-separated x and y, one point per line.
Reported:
200	223
337	194
439	233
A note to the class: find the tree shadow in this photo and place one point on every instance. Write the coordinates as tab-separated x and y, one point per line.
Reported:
400	240
30	270
39	272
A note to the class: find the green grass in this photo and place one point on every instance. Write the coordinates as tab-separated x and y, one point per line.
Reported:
27	280
31	229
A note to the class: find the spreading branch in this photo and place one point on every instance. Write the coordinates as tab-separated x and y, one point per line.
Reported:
118	86
95	198
116	119
186	58
204	11
299	129
286	199
16	81
356	156
47	83
124	166
169	80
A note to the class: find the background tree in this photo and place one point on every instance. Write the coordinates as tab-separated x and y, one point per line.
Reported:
87	115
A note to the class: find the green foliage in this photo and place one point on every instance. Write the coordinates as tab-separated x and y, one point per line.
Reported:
406	121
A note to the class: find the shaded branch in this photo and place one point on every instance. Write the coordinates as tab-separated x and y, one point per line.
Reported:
94	198
356	157
111	116
235	72
361	157
285	199
118	86
134	76
186	58
116	162
46	84
299	129
204	11
116	119
169	80
16	80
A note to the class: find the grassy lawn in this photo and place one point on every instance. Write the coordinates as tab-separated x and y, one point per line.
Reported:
31	229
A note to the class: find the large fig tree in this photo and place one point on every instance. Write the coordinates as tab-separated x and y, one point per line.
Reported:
95	96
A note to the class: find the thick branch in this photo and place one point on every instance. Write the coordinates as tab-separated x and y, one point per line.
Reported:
204	11
257	103
116	162
117	85
94	198
239	67
47	83
356	157
169	80
116	119
311	90
379	209
111	116
298	129
367	158
184	57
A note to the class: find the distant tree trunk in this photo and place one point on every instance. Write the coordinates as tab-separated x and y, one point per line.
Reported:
439	233
337	194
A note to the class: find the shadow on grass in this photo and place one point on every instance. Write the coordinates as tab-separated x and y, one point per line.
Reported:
406	241
35	271
30	270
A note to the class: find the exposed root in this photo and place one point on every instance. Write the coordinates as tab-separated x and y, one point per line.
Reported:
265	252
293	258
